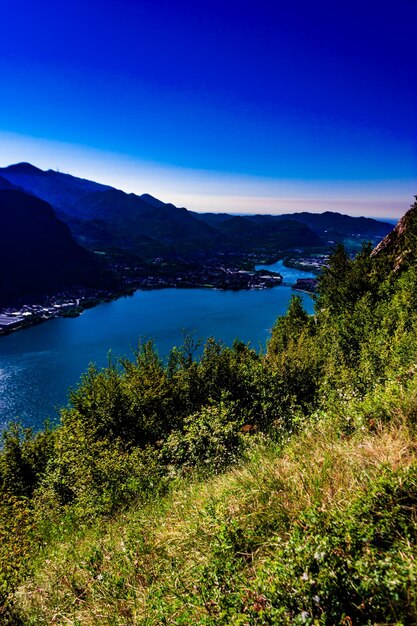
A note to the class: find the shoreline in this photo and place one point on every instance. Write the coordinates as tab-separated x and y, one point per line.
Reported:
27	321
73	304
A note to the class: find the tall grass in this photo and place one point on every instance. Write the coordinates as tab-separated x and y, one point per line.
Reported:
212	552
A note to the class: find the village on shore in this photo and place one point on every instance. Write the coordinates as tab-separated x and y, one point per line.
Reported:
72	302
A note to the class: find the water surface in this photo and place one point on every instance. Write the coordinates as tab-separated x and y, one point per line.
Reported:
289	274
38	365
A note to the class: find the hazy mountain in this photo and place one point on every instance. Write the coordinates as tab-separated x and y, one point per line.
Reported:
327	225
37	250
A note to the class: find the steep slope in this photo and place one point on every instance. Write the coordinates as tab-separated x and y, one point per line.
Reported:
37	251
399	247
230	486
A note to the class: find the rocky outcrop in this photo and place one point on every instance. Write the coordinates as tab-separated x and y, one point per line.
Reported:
400	245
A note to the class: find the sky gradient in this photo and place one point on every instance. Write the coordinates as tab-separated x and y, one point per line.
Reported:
235	106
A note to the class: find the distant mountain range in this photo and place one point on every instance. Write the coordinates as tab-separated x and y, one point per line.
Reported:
329	226
103	218
52	222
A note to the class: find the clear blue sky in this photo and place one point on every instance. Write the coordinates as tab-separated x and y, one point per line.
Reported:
218	105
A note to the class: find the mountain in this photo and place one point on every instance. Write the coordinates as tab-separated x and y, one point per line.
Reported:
131	220
329	226
6	184
103	218
399	247
100	216
247	234
37	251
60	190
214	219
335	225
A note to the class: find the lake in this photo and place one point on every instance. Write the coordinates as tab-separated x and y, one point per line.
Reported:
39	364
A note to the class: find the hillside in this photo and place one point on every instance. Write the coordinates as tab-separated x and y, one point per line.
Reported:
232	487
244	233
5	184
336	225
129	219
37	252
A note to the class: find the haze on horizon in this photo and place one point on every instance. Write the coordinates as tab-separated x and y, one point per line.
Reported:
218	106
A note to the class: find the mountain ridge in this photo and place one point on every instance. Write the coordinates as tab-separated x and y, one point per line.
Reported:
102	217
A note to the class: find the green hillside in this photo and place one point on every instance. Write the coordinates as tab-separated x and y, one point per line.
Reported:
233	487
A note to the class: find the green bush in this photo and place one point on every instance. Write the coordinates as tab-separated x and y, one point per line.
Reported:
210	440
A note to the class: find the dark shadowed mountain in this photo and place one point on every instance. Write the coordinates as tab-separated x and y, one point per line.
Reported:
146	197
139	221
336	225
214	219
37	251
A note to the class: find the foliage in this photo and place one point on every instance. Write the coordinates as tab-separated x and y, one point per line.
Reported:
17	538
24	458
210	440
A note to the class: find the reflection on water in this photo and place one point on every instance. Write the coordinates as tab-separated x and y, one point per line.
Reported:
38	365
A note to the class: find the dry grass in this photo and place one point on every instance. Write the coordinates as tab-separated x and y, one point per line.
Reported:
109	576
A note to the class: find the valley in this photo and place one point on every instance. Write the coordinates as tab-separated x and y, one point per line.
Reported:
111	244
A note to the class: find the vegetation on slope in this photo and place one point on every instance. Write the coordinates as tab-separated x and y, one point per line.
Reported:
232	487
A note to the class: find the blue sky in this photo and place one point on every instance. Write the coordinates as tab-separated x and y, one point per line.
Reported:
238	106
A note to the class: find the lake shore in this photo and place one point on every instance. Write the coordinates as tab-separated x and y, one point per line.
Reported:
38	366
73	303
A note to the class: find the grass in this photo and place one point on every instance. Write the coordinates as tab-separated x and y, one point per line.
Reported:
223	550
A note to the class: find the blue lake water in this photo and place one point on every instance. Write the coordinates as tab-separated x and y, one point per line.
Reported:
38	365
289	274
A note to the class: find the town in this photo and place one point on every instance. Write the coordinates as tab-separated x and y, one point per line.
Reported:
71	303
